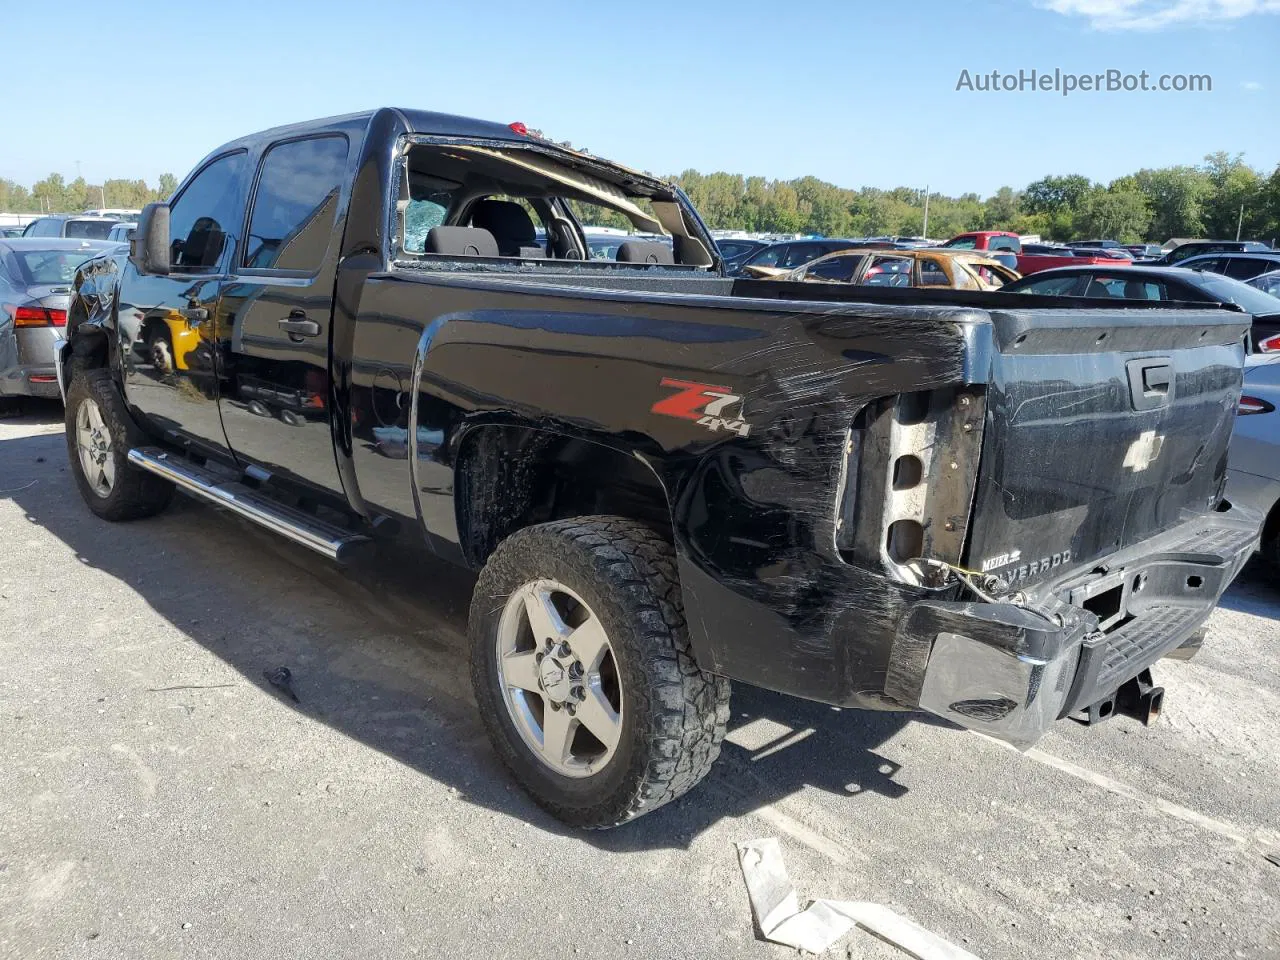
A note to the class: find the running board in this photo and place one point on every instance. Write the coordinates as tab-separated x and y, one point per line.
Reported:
324	538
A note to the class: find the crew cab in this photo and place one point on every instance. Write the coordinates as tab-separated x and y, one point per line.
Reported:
998	508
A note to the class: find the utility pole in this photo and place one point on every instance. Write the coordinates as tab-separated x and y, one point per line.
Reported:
1240	222
925	230
102	192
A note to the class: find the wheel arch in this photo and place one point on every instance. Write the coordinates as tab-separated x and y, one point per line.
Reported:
508	476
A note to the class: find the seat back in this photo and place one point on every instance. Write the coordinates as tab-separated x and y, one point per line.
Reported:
510	225
640	251
461	242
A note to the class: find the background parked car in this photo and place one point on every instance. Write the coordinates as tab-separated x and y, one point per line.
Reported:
921	267
1161	283
73	227
1239	266
35	290
122	232
10	232
790	254
1146	251
1196	248
1253	467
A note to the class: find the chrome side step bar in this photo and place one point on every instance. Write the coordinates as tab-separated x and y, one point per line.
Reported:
324	538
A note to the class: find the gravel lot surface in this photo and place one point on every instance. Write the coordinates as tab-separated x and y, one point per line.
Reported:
160	798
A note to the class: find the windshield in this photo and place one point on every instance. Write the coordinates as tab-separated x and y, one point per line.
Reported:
39	267
1267	283
89	229
1242	295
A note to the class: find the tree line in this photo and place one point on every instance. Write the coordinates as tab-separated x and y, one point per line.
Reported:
54	194
1211	199
1205	200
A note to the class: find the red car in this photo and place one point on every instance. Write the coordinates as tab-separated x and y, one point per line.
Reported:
1007	248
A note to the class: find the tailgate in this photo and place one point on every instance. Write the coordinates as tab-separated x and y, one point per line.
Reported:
1103	429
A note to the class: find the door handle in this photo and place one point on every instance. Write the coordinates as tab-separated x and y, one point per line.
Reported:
297	326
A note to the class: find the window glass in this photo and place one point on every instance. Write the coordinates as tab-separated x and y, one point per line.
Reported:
989	275
888	272
769	256
89	229
49	266
801	253
1003	243
933	273
834	270
1214	264
1194	250
1129	289
1246	268
1052	286
201	215
296	204
1269	284
962	243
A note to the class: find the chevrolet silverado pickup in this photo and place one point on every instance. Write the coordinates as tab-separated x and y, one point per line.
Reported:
997	508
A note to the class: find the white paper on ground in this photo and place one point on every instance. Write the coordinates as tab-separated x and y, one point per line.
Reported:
815	928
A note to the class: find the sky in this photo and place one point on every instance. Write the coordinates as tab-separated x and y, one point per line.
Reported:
857	93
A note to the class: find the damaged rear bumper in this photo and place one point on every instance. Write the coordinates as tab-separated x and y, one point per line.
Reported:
1011	671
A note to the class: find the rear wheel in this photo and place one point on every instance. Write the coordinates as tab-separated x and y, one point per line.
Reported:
100	434
582	668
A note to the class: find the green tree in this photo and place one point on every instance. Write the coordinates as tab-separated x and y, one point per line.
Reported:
1119	212
1177	196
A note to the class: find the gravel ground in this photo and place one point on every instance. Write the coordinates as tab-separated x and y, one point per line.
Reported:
160	798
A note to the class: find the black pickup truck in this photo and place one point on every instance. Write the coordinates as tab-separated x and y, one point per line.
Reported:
997	508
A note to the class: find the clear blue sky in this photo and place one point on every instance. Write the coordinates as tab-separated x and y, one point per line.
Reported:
856	93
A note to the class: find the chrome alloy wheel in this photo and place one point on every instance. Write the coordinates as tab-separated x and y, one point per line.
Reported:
93	441
559	678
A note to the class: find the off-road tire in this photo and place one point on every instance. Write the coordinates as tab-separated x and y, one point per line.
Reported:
135	493
675	713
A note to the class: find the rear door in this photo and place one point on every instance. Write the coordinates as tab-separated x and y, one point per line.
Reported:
278	306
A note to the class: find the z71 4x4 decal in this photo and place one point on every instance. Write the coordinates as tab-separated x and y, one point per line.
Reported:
709	406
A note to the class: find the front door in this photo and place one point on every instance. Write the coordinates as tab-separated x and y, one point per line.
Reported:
277	306
167	323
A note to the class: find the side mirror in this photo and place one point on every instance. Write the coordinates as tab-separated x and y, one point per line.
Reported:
149	247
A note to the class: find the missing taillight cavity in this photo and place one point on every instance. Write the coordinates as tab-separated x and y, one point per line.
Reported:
905	540
907	472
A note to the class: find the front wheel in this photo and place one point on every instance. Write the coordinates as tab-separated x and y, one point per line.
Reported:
583	671
99	436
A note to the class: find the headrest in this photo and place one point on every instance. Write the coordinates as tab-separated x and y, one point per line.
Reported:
641	251
461	242
506	220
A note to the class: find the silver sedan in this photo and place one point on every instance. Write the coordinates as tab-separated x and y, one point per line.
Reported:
1253	469
35	291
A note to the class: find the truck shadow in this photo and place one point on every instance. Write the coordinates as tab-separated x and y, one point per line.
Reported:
1254	591
378	653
